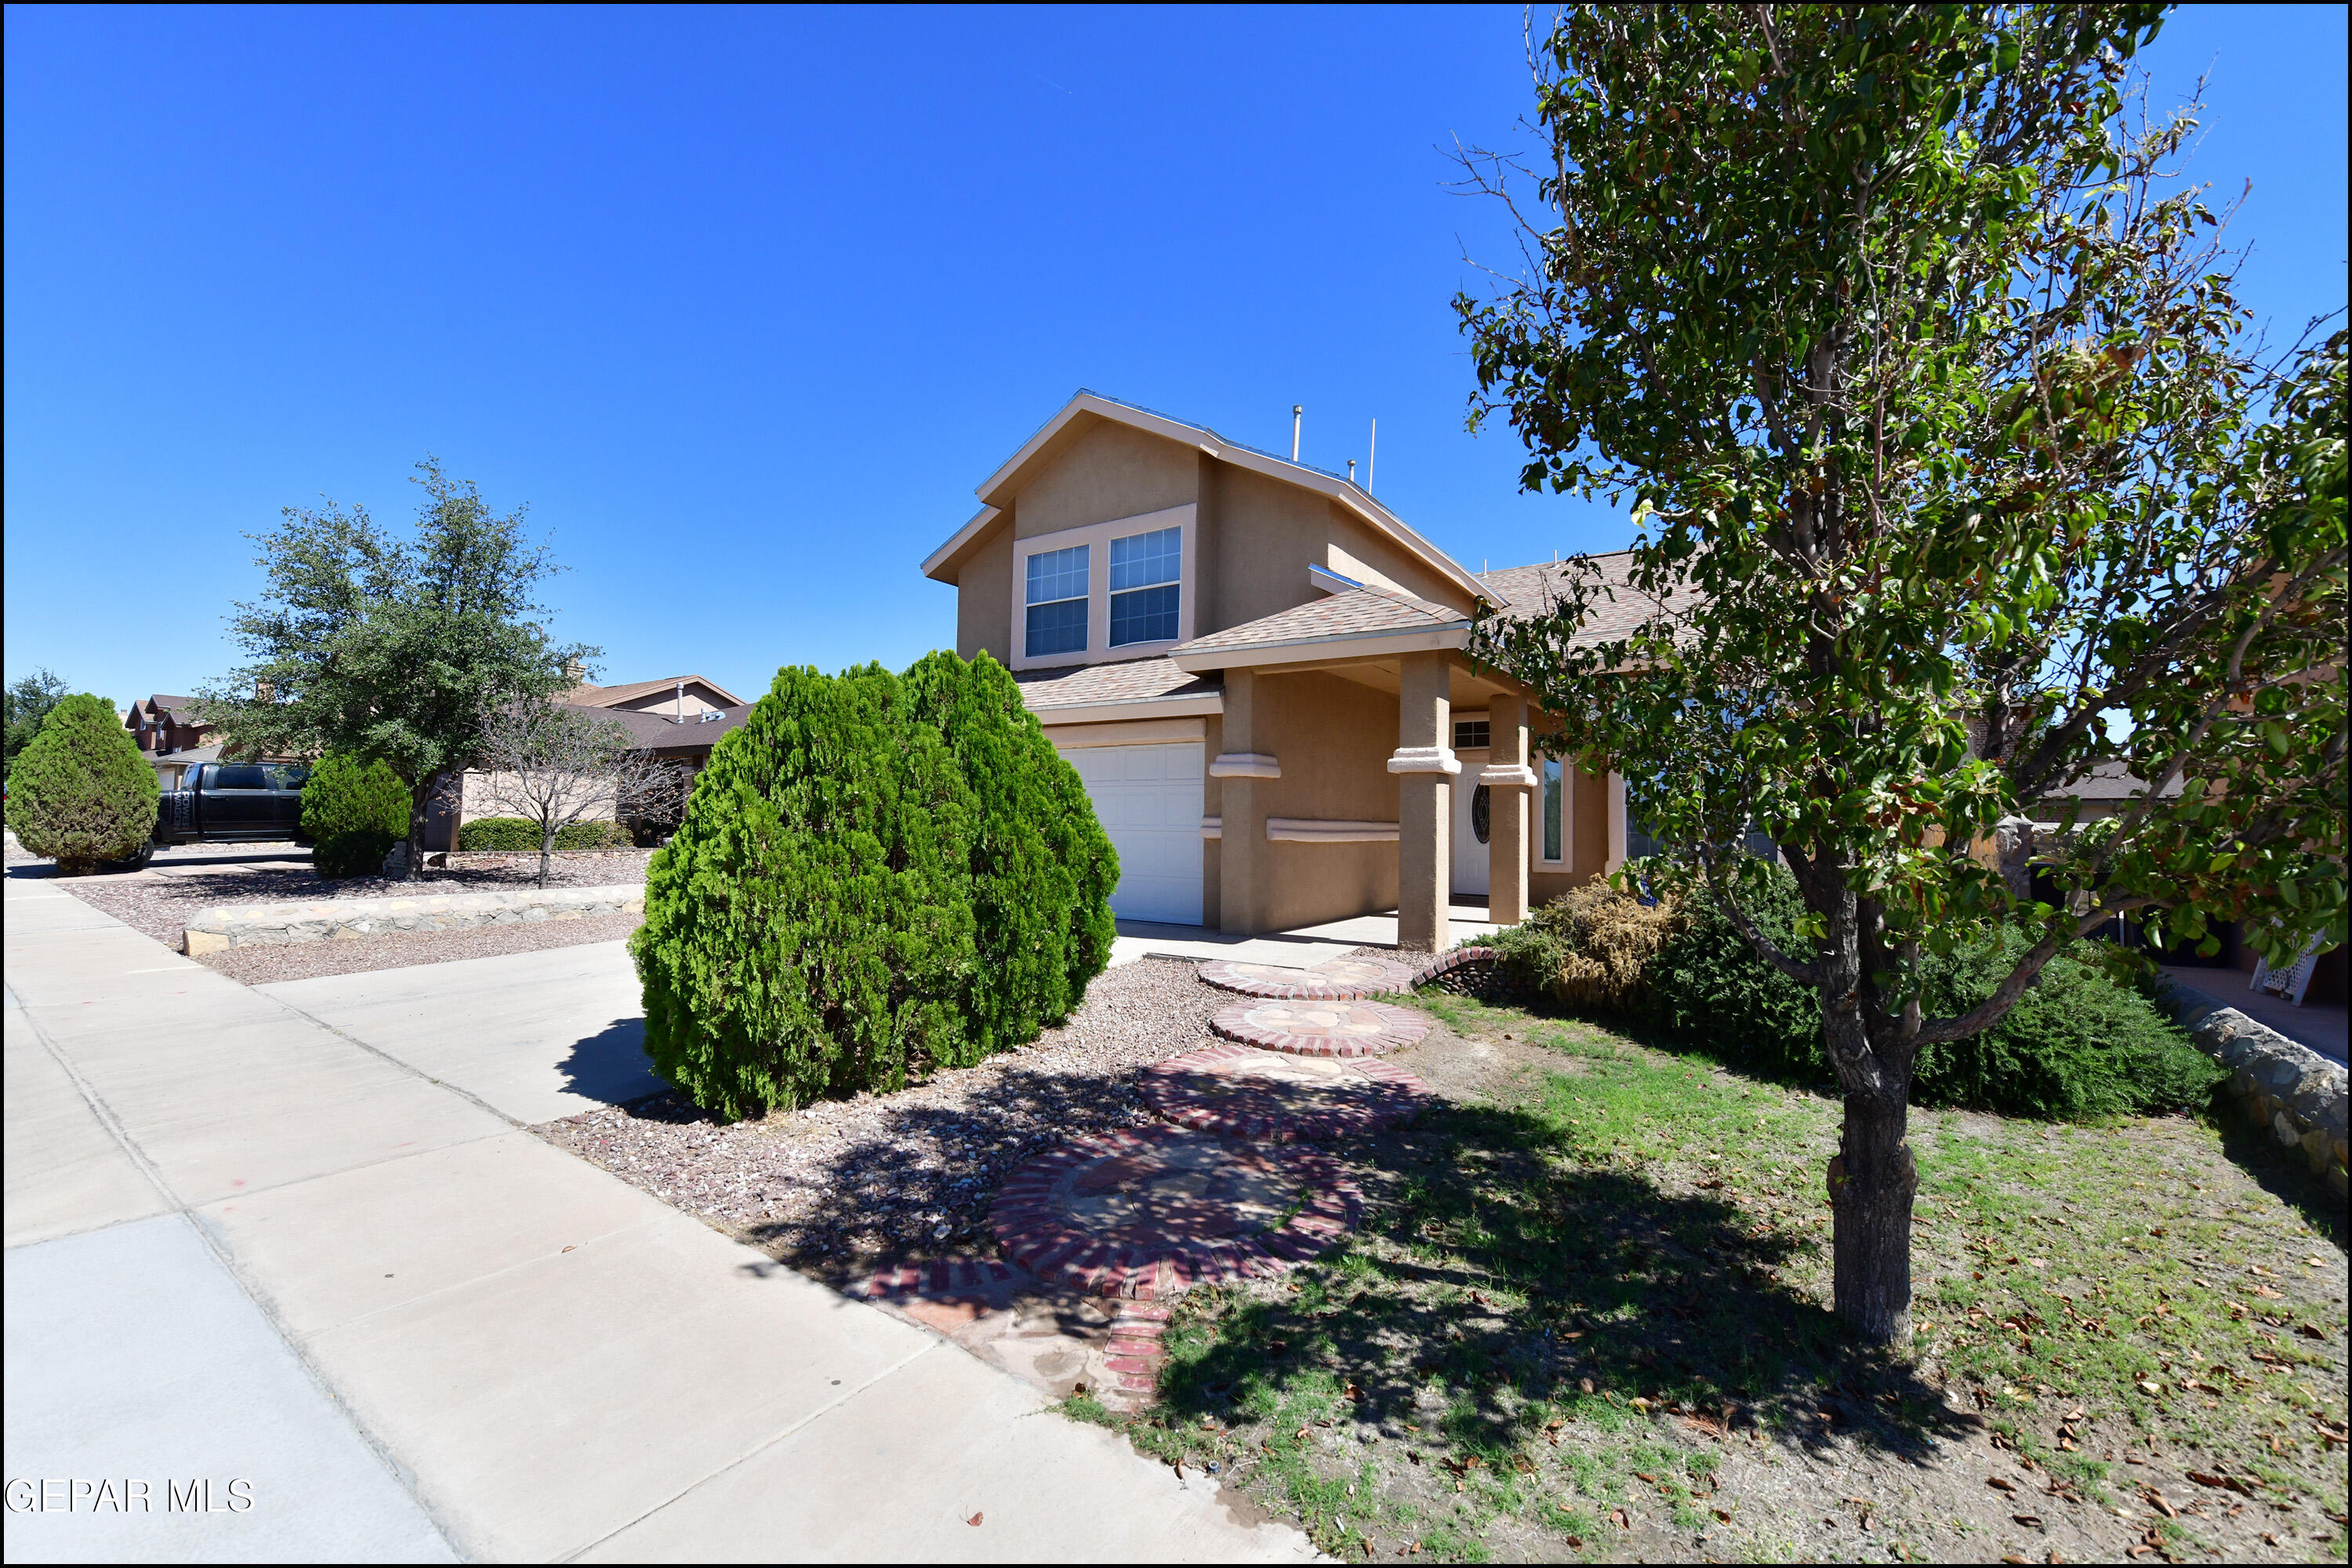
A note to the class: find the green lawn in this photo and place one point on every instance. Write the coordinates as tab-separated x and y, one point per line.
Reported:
1587	1315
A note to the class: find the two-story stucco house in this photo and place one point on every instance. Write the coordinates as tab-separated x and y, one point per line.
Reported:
1259	671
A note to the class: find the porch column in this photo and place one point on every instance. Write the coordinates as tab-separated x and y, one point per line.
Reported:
1615	848
1424	764
1241	834
1511	785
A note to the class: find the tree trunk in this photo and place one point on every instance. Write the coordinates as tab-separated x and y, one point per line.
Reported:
546	844
1872	1183
420	803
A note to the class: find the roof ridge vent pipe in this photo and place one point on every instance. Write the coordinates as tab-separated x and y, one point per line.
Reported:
1352	470
1295	410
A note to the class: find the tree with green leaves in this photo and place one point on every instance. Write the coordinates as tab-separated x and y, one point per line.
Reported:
30	701
1957	480
398	650
82	793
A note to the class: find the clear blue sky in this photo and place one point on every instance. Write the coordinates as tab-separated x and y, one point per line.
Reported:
744	303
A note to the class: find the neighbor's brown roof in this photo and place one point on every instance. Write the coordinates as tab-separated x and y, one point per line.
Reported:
655	732
1356	612
605	695
1133	680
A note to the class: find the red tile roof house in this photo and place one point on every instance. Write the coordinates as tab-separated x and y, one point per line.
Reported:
1259	671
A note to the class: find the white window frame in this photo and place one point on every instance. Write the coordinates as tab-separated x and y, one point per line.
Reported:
1078	598
1099	537
1536	855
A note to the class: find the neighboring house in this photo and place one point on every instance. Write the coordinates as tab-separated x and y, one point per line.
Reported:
170	735
1258	671
677	719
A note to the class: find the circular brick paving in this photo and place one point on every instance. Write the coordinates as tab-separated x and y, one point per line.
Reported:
1341	979
1320	1028
1240	1091
1154	1210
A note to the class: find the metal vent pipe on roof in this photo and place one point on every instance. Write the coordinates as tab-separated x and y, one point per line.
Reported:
1295	410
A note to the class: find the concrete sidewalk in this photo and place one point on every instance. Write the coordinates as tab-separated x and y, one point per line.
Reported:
247	1244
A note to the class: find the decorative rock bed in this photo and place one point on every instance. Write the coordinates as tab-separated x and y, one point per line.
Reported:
2288	1088
327	920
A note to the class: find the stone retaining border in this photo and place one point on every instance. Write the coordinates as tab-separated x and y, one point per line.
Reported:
2286	1087
1391	1097
1038	1239
327	920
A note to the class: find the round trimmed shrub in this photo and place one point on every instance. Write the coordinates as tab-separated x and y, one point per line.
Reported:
1042	868
354	813
80	793
809	926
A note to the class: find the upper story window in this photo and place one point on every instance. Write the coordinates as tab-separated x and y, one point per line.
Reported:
1473	734
1057	602
1145	572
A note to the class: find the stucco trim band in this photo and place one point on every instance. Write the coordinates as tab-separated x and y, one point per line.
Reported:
1424	760
1508	775
1213	827
1135	708
1321	830
1246	765
1132	733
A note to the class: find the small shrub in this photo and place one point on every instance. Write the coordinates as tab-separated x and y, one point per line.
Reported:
2081	1044
354	813
809	927
80	793
520	834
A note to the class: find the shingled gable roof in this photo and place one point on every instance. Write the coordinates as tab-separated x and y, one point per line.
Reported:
607	696
1358	612
1130	680
1001	485
1523	593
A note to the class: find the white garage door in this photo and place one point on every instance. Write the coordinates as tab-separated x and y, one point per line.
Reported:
1149	798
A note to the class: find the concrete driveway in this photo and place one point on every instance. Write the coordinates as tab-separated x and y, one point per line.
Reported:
254	1243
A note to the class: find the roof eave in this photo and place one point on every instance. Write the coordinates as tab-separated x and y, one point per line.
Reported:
1378	644
947	556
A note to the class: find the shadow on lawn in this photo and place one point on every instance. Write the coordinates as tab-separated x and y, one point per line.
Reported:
1528	1287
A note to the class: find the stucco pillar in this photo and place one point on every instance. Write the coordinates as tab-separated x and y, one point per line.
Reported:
1424	764
1510	785
1615	849
1240	832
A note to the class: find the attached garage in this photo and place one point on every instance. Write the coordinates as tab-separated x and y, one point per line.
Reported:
1148	800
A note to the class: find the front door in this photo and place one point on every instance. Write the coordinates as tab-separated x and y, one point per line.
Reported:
1472	827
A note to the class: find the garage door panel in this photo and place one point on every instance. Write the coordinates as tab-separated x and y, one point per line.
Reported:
1148	800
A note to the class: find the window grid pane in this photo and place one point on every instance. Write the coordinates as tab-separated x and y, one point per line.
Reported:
1057	574
1142	559
1552	808
1473	734
1059	628
1147	614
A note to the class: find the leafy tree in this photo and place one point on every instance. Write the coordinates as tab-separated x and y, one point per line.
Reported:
30	701
394	650
354	812
81	793
1042	868
1956	481
809	927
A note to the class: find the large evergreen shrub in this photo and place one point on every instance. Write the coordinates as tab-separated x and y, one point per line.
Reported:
809	927
354	813
1042	868
2078	1046
80	792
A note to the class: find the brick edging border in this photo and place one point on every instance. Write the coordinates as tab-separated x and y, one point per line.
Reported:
1398	1027
1037	1238
1219	972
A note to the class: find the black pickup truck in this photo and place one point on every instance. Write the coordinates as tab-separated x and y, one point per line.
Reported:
221	802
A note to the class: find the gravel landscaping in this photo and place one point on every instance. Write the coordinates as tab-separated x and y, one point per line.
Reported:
840	1186
399	950
183	879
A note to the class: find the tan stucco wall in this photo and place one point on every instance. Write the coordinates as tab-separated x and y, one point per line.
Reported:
1333	738
1212	803
1588	840
1109	472
984	598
